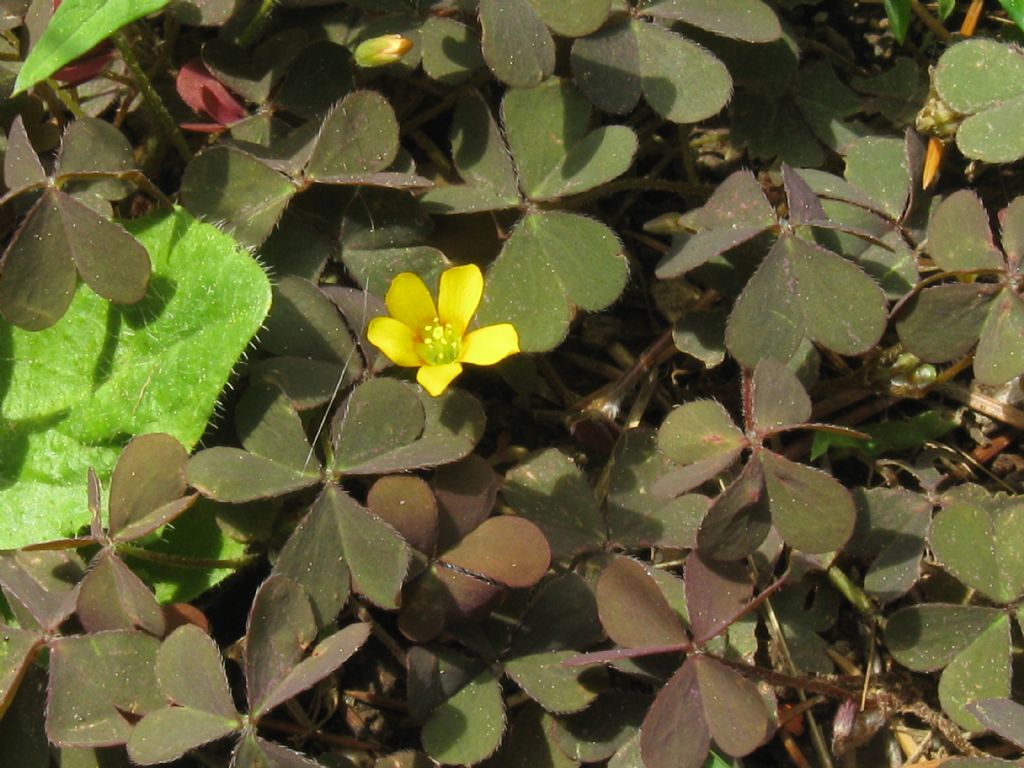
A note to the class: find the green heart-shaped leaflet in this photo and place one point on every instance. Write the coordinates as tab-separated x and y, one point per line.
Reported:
983	546
552	261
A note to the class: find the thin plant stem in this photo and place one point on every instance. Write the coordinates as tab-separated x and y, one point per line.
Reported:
151	97
256	24
437	157
334	739
930	21
381	634
817	737
161	558
687	156
65	98
442	105
685	190
853	594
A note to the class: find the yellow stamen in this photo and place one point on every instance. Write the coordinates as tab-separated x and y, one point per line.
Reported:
440	344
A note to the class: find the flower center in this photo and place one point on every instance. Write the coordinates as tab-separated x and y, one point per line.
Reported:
440	344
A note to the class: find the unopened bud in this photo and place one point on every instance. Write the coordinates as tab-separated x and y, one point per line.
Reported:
381	51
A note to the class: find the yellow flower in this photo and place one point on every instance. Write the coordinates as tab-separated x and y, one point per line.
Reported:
381	51
433	338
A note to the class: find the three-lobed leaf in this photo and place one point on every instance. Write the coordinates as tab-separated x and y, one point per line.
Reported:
704	700
190	673
60	239
813	294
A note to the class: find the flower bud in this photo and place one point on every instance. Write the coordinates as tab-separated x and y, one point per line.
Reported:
381	51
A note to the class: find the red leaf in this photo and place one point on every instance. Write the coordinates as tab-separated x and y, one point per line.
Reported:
207	95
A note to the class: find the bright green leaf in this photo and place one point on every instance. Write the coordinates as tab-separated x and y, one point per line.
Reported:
887	437
899	14
1015	10
76	27
80	389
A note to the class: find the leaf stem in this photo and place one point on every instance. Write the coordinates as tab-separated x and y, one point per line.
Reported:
930	21
180	561
152	98
685	190
334	739
256	24
817	737
443	105
853	594
65	98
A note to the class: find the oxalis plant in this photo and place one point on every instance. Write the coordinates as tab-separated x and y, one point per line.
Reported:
511	383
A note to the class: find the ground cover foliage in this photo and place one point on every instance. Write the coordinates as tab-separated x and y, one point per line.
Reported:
746	496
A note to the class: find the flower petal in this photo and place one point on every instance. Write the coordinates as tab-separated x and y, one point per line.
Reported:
436	378
488	345
394	339
458	296
409	301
